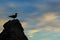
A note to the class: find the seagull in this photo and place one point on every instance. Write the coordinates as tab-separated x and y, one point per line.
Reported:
13	16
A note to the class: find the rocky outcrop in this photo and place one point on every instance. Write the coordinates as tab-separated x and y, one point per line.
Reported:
13	31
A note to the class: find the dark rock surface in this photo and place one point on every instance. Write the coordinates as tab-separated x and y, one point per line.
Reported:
13	31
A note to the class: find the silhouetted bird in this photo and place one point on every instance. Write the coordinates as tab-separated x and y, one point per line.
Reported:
13	16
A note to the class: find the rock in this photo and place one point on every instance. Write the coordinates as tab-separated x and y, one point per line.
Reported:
13	31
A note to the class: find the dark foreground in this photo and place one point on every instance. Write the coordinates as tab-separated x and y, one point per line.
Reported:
13	31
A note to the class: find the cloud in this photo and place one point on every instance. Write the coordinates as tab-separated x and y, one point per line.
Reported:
48	17
16	4
45	18
2	9
48	28
2	22
0	31
57	30
32	32
12	4
24	24
41	7
48	22
51	28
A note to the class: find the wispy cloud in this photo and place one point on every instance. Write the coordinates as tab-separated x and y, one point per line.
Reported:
48	22
49	17
14	5
24	24
48	28
32	32
2	22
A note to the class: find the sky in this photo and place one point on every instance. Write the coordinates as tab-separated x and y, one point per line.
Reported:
39	18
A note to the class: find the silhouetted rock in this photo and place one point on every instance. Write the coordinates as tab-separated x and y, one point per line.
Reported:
13	31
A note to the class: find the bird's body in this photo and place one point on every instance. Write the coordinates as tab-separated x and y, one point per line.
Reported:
13	16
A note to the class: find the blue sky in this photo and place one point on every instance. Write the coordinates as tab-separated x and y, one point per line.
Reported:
39	18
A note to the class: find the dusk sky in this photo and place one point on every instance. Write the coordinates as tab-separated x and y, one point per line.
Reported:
39	18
